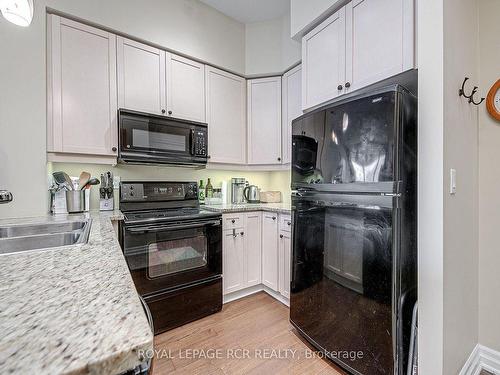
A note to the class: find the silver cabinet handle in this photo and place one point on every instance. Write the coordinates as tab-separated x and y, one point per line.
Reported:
5	196
234	233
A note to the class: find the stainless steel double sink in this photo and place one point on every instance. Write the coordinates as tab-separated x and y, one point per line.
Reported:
22	237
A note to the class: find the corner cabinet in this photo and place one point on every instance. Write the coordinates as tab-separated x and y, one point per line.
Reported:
362	43
82	96
264	120
291	103
226	116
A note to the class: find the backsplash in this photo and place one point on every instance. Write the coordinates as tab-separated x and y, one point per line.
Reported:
275	180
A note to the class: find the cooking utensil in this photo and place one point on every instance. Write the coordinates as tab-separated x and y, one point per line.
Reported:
84	178
91	182
61	178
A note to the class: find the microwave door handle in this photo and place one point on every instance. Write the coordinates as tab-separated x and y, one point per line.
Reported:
192	142
161	228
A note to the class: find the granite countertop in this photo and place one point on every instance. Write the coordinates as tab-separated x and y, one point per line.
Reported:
283	208
72	309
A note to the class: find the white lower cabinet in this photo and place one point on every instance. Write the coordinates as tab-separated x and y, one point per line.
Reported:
270	250
285	257
257	252
233	261
241	251
253	249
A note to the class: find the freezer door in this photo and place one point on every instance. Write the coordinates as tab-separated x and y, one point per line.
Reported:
342	287
354	143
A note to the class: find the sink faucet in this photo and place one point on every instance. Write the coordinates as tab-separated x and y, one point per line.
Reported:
5	196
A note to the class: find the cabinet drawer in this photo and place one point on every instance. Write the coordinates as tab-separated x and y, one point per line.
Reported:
232	221
285	223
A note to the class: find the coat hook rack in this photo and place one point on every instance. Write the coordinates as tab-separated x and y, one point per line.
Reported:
461	92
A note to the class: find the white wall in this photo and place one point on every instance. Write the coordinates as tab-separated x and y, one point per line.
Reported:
307	14
187	26
461	253
448	229
489	179
269	48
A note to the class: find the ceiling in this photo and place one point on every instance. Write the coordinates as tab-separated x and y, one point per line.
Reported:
247	11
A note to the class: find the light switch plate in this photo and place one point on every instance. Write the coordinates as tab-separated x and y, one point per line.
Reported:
453	181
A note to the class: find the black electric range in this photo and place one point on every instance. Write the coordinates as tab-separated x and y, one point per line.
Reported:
173	249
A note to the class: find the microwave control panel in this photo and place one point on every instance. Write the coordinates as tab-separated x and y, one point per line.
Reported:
200	143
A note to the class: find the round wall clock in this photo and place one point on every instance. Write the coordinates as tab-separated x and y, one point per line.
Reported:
493	101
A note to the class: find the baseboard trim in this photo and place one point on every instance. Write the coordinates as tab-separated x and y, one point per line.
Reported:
252	290
482	358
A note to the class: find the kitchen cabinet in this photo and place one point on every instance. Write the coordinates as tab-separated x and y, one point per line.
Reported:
285	265
270	250
291	99
379	40
233	258
185	88
285	255
154	81
82	96
323	61
253	254
241	250
264	120
362	43
141	76
226	116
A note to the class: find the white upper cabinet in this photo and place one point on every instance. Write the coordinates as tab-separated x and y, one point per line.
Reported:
291	99
379	40
264	120
141	77
82	99
323	61
364	42
226	116
185	88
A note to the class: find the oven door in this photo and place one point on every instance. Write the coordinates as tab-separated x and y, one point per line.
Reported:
342	277
162	257
153	139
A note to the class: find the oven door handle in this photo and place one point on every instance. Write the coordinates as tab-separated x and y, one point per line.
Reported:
161	228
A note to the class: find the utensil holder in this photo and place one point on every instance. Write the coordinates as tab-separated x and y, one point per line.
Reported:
75	201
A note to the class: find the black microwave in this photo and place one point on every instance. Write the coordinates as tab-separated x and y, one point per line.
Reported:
153	139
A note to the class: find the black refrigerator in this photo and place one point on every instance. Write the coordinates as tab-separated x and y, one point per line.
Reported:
354	213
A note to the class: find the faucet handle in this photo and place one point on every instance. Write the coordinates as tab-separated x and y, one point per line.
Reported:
5	196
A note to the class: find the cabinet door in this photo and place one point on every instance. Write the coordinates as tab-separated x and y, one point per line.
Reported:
82	89
270	250
285	266
233	261
291	99
185	88
226	116
379	40
141	77
323	61
264	120
253	255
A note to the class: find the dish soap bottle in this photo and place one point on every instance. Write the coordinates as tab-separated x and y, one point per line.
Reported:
209	190
201	192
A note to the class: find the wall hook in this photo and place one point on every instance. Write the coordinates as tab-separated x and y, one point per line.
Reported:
461	92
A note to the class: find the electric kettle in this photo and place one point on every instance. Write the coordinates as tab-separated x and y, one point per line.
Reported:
252	194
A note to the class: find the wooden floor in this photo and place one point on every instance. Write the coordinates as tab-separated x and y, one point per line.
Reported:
239	340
